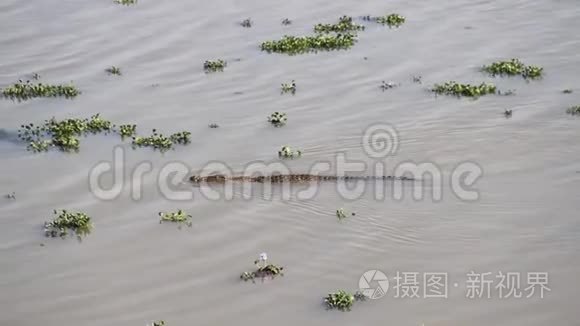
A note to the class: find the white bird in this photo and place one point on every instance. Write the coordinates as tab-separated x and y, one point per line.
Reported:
262	259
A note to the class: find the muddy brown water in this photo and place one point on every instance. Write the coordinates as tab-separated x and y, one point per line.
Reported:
131	270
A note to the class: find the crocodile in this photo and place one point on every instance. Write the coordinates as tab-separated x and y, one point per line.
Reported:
280	178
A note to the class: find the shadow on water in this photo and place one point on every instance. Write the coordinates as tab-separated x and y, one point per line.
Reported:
9	136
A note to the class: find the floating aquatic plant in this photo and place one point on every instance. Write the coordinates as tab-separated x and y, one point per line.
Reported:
574	110
158	323
127	130
61	134
66	222
289	87
11	195
35	76
114	70
303	44
214	65
388	85
392	20
176	217
341	213
508	113
513	67
288	152
278	119
161	142
26	90
417	79
457	89
342	300
286	21
567	91
214	125
345	24
264	269
126	2
246	23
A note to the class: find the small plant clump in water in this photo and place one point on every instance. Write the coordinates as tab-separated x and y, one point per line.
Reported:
65	222
289	87
158	323
264	270
214	125
388	85
214	65
286	22
513	67
508	113
26	90
345	24
341	213
567	91
61	134
574	110
127	130
278	119
393	20
126	2
161	142
176	217
457	89
246	23
11	195
342	300
114	70
302	44
287	152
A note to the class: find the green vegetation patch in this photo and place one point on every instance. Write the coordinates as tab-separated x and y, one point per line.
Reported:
126	2
66	222
127	130
27	90
304	44
574	110
289	87
278	119
161	142
113	71
392	20
288	152
341	213
457	89
176	217
342	300
214	65
513	67
345	24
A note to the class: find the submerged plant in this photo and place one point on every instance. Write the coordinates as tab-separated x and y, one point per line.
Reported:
114	70
345	24
289	87
457	89
66	222
278	119
161	142
127	130
286	21
214	65
574	110
303	44
263	269
176	217
513	67
26	90
393	20
287	152
246	23
343	300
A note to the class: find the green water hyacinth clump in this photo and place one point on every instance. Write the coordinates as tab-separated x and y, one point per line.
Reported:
127	130
340	300
303	44
160	142
289	87
66	222
126	2
345	24
269	270
278	119
341	213
288	152
214	65
246	23
27	90
513	67
114	70
574	110
176	217
457	89
158	323
62	134
392	20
